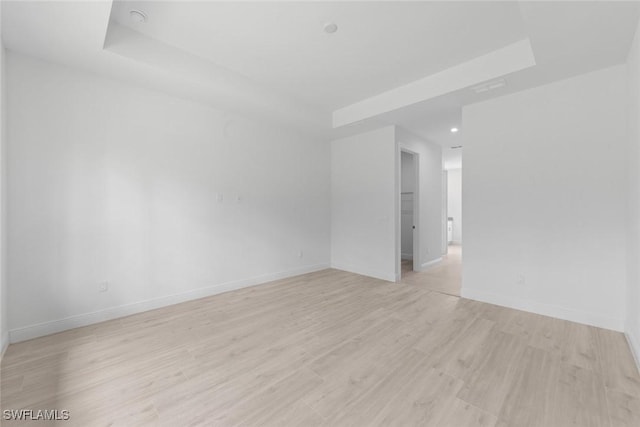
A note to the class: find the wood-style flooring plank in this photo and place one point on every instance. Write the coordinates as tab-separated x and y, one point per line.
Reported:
624	410
489	379
532	393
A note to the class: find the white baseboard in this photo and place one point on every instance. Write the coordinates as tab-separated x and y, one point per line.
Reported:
430	263
4	343
634	345
382	275
71	322
592	319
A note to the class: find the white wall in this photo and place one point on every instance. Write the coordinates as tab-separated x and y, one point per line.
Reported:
363	203
544	198
113	183
429	223
4	312
454	202
407	187
632	326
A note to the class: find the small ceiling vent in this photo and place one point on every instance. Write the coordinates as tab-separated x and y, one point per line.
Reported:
489	86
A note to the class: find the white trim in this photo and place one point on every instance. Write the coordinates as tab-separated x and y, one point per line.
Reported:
583	317
4	344
382	275
634	345
430	263
71	322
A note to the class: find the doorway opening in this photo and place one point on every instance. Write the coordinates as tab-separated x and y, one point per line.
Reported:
409	195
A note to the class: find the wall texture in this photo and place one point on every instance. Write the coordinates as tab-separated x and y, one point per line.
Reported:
544	197
363	200
159	199
632	326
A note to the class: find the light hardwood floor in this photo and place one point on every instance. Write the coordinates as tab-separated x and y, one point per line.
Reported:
328	348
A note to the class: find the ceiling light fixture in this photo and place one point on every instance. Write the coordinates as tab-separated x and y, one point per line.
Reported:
138	16
454	130
330	27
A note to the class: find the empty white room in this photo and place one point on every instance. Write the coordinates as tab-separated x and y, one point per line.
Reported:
252	213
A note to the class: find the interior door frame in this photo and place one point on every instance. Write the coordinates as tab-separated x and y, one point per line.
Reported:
445	212
416	210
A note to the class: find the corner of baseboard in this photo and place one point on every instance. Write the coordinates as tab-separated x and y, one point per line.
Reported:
4	343
634	345
389	277
430	263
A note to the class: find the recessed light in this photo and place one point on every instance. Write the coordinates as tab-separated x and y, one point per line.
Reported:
138	16
330	28
454	130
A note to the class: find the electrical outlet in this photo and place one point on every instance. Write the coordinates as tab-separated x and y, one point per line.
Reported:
103	287
520	280
219	197
300	254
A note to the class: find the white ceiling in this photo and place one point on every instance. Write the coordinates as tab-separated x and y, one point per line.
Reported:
272	60
378	45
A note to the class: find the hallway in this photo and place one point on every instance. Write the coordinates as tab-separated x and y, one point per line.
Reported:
444	277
